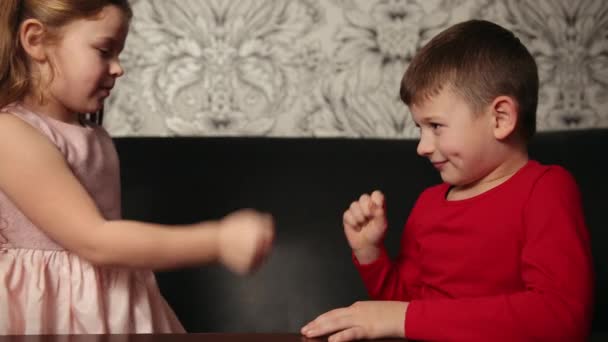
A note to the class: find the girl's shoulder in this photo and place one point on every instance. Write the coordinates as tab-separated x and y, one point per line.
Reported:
15	127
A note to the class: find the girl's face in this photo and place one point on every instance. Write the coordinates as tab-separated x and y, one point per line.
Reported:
84	61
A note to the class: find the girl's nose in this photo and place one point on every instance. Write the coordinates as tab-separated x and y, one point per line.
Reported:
116	69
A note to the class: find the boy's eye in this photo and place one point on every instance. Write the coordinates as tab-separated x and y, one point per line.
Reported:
434	126
103	52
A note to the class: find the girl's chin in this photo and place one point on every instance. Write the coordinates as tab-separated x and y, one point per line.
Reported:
89	109
96	106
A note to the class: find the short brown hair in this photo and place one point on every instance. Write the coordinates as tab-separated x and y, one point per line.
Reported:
479	60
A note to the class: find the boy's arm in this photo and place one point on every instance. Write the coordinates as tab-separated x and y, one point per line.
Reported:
556	269
387	279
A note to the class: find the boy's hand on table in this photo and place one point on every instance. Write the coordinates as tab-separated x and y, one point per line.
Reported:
362	320
365	225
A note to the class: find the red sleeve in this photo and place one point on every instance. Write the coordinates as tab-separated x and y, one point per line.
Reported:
556	268
387	279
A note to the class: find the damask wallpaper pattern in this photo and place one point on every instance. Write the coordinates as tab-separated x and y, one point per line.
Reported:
332	68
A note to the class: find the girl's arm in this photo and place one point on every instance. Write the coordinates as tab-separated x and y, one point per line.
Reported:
36	177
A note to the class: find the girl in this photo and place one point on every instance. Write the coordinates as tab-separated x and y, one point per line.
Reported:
68	263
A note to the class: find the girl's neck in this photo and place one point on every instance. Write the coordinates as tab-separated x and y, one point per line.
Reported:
49	108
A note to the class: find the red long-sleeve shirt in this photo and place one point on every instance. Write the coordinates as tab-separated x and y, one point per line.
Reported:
511	264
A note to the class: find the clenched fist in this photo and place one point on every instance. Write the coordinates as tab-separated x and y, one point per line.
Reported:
245	239
364	225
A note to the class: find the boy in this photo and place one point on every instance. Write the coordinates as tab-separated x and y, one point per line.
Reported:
500	251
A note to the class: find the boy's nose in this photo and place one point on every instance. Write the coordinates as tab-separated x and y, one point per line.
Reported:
425	146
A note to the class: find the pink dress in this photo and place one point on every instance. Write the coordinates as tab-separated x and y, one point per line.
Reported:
45	289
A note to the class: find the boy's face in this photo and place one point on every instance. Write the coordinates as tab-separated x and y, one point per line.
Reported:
459	142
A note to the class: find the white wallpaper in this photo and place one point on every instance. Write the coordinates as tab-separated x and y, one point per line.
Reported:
332	68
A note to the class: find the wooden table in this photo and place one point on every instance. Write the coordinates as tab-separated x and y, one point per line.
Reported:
223	337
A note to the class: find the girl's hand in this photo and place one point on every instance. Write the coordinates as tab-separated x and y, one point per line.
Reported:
365	225
362	320
245	239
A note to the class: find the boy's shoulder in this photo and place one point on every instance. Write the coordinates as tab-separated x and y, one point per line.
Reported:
541	180
538	172
552	178
534	176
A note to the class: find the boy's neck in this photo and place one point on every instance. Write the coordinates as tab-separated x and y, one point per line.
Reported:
514	161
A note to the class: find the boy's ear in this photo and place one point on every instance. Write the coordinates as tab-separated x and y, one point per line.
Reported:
31	36
504	116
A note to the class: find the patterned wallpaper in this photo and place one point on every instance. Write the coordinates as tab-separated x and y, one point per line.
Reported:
332	68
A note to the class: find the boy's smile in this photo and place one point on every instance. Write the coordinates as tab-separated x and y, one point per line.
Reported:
439	164
449	132
459	142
